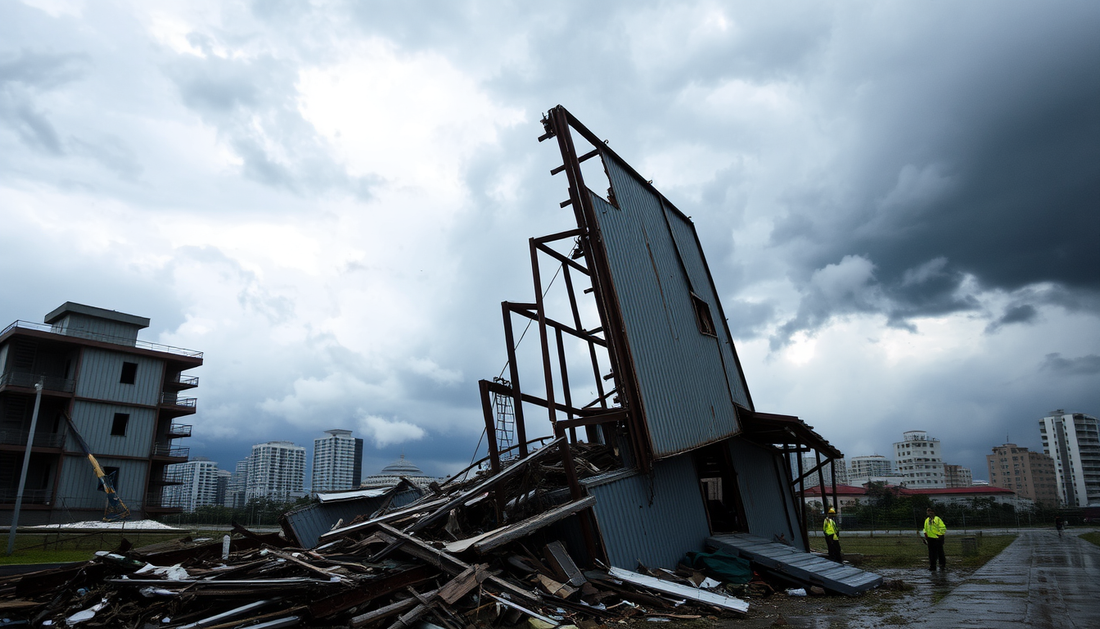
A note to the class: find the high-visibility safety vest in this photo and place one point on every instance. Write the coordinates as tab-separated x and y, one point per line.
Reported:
934	527
829	527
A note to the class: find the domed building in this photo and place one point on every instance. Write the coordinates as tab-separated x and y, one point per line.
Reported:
394	472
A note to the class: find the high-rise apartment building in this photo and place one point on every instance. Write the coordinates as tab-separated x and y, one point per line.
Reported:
870	465
1073	441
276	470
198	484
1030	474
955	476
918	461
236	493
337	462
813	479
124	397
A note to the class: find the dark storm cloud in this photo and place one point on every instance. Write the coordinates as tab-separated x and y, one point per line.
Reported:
985	156
1081	366
1025	313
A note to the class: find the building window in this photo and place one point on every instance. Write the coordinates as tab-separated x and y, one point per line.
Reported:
118	426
129	373
702	316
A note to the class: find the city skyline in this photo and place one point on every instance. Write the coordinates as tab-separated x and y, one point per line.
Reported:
896	202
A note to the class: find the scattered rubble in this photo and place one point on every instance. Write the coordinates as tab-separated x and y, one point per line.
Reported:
468	553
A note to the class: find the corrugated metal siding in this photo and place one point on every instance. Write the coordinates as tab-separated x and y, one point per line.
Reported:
680	370
653	518
94	422
769	505
309	523
101	370
74	323
691	253
78	485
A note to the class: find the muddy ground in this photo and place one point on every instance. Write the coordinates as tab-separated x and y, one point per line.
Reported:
888	606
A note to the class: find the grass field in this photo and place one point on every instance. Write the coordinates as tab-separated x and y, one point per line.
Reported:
906	551
1093	537
61	547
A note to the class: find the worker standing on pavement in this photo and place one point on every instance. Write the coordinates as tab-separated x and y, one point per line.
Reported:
934	531
832	537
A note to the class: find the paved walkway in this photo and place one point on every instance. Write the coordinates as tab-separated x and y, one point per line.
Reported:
1040	580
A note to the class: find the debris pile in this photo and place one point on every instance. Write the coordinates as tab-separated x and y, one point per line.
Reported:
493	550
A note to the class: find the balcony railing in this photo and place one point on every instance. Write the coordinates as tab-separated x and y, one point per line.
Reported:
185	381
28	380
171	399
12	437
175	431
104	338
30	496
166	450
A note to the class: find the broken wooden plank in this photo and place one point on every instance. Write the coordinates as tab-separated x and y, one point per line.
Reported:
444	561
680	591
486	484
518	607
375	615
526	527
461	585
562	564
389	517
367	591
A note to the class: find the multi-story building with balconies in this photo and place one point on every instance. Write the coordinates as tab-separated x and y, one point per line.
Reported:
124	396
276	470
1030	474
919	461
1073	441
198	486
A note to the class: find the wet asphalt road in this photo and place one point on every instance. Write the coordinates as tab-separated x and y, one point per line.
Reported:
1040	580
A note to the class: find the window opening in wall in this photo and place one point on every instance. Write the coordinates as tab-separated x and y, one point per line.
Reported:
118	426
702	316
129	373
720	489
111	476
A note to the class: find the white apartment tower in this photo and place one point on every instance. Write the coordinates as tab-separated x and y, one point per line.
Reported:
337	462
198	486
1073	441
919	462
869	465
276	470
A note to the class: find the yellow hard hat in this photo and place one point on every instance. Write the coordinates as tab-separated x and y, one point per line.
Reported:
832	510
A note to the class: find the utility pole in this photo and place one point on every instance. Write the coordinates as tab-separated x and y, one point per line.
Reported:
26	464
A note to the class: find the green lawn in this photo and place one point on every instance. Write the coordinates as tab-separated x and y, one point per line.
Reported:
1093	537
54	547
906	551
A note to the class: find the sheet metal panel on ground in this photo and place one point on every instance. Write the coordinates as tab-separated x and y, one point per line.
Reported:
799	566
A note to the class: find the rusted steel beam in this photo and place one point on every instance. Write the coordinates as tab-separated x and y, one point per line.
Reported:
581	334
509	339
490	425
595	420
560	122
544	341
563	369
530	399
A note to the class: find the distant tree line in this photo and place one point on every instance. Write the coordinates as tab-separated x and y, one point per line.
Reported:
256	512
885	509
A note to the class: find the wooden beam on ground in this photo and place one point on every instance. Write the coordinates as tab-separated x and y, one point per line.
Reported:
534	523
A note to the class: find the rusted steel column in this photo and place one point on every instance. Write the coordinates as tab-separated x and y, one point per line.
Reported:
540	310
490	425
509	339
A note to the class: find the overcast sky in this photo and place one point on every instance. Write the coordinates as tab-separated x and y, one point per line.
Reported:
899	202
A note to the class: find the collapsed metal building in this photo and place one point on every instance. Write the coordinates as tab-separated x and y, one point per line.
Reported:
700	466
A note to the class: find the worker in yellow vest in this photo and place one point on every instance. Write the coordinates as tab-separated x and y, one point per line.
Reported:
934	531
832	537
